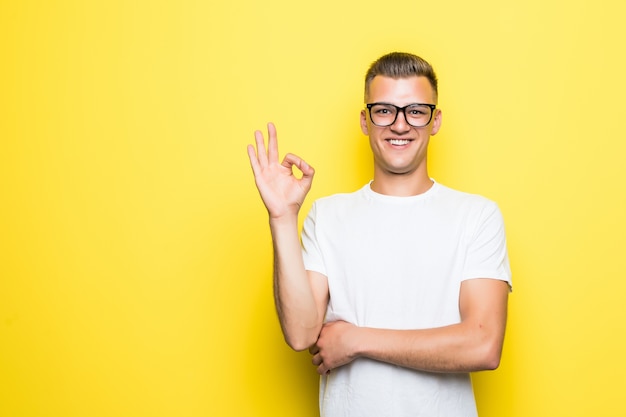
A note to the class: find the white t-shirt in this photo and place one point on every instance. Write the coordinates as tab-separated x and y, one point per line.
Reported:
398	263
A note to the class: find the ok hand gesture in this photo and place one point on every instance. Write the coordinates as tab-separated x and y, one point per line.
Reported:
281	191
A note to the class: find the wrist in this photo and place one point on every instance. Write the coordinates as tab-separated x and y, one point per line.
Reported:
364	342
286	219
359	340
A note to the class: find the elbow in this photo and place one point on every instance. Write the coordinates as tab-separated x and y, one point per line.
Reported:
300	336
490	356
298	347
491	363
300	343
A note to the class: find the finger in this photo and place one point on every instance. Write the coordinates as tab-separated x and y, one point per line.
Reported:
322	369
316	360
307	174
291	159
254	161
272	143
314	350
260	147
307	170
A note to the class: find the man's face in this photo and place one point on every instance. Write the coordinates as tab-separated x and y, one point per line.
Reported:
400	149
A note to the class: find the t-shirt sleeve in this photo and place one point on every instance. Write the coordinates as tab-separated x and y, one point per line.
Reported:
311	252
487	255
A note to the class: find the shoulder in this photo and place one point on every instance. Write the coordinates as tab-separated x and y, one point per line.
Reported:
339	200
335	207
472	210
452	196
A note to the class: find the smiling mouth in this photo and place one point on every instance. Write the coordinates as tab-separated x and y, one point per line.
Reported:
399	142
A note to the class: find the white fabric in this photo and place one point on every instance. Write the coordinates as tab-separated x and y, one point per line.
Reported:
397	263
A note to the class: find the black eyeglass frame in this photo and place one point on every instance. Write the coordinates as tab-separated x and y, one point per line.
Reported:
403	110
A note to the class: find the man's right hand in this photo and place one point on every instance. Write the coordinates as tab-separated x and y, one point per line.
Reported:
282	192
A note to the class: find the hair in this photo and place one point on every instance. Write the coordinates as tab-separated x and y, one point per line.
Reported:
401	65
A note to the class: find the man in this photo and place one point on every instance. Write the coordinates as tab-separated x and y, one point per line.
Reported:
399	289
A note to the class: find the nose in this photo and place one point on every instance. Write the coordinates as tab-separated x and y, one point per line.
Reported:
400	125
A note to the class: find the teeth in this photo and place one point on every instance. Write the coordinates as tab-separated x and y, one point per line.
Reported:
399	141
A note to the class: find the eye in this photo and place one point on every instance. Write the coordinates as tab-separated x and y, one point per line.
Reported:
416	111
383	110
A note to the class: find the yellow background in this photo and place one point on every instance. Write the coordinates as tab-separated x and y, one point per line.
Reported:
135	256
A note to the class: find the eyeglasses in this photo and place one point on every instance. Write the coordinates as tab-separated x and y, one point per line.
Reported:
385	114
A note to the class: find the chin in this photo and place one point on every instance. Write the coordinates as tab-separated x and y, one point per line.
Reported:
391	170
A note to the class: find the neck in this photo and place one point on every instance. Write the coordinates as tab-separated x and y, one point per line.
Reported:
401	185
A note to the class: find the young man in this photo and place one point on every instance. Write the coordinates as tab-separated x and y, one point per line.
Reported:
399	289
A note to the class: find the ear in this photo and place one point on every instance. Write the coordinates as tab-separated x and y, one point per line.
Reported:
436	122
364	128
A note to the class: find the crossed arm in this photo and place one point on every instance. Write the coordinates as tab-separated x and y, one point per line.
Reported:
474	344
301	296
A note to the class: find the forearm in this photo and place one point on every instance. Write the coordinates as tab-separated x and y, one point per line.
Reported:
295	300
463	347
474	344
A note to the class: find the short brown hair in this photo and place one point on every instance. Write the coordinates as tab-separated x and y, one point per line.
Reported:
401	65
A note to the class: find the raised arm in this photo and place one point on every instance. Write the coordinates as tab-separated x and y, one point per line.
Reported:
300	296
474	344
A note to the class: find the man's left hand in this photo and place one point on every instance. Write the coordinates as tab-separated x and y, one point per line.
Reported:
336	346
